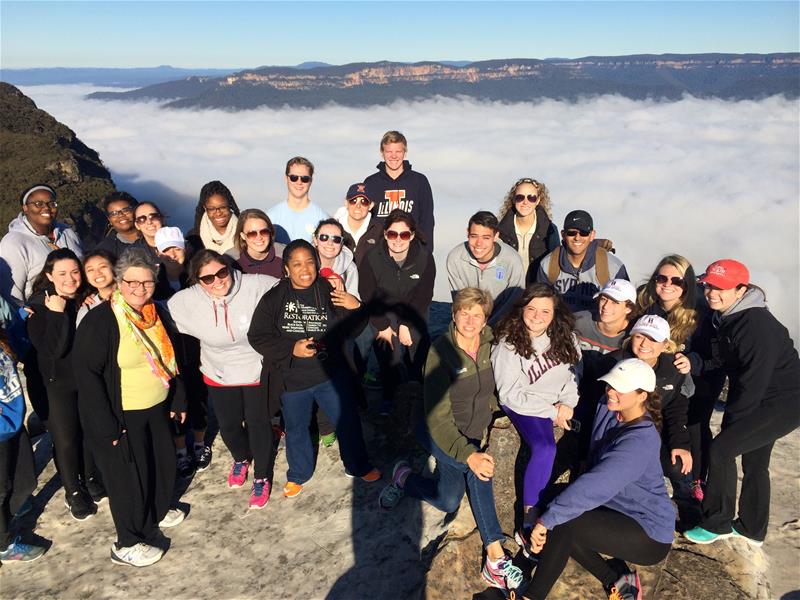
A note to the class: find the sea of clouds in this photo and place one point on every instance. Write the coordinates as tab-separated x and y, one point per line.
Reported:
704	178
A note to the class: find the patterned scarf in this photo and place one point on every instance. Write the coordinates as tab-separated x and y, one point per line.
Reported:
150	334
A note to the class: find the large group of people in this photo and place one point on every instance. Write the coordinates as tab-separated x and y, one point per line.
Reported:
270	318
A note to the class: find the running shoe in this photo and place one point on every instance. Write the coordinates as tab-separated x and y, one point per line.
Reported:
292	489
523	538
16	550
697	490
80	505
698	535
259	494
749	540
627	587
391	495
505	576
184	466
138	555
174	516
238	475
96	490
202	457
328	440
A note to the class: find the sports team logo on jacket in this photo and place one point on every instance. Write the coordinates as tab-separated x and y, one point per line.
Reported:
394	199
540	366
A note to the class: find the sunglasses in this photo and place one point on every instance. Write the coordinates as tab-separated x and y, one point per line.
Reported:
209	279
664	280
532	198
391	234
40	204
577	232
122	211
304	178
151	217
362	200
324	237
251	235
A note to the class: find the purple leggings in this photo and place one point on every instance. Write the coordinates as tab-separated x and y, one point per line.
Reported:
538	434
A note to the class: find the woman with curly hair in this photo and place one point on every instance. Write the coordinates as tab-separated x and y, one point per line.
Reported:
215	218
526	223
536	367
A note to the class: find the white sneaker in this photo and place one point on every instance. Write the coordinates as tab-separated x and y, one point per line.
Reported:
138	555
174	516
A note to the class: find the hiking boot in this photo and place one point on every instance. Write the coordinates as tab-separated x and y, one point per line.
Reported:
626	587
138	555
697	490
328	440
505	575
96	490
174	516
259	494
238	474
202	458
698	535
292	489
185	467
16	550
80	505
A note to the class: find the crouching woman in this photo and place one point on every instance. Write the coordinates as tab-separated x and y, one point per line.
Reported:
126	369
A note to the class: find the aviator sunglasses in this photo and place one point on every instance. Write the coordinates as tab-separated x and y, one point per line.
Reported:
532	198
209	279
251	235
361	199
391	234
664	280
304	178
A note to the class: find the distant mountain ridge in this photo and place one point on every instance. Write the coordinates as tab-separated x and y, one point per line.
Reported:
666	76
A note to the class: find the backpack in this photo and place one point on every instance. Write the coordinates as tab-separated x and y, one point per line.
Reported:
600	266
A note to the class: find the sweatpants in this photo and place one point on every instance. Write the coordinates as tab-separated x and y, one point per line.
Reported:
538	434
584	539
245	425
139	474
17	479
72	456
752	438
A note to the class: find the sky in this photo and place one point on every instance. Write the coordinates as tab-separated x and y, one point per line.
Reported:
249	34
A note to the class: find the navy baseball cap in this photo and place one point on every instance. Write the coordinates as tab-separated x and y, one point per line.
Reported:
357	190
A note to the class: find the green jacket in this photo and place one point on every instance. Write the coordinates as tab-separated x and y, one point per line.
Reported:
459	395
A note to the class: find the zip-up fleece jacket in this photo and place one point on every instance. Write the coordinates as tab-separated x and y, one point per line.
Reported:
503	277
221	325
459	394
579	285
545	239
410	192
675	390
409	287
23	252
52	333
533	386
760	359
624	475
99	379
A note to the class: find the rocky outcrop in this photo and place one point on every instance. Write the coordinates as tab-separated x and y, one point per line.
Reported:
39	149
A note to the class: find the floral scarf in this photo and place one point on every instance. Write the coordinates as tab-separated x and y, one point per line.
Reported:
150	334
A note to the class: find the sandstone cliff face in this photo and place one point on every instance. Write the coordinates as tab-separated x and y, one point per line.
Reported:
38	149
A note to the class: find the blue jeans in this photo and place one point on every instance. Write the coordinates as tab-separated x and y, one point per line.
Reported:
333	398
446	491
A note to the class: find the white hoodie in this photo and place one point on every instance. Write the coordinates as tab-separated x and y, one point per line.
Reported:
341	216
23	253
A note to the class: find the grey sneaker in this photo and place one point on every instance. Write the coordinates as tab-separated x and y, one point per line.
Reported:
138	555
174	516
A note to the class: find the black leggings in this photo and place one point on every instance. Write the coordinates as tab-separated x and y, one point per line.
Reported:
701	408
585	538
17	479
244	423
73	458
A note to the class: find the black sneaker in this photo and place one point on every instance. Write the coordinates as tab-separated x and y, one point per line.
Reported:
96	490
80	505
202	458
185	466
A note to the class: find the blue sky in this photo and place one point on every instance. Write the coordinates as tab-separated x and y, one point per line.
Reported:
247	34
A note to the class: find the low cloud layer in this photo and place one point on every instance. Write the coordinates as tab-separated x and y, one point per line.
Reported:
704	178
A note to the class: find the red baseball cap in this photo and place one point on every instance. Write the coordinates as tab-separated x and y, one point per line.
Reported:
726	274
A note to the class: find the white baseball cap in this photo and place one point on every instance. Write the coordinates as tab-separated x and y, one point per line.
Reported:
629	375
653	326
169	237
619	290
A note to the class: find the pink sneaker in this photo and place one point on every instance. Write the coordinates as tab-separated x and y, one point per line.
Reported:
697	490
260	493
238	474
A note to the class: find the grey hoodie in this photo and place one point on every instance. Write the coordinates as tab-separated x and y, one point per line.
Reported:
345	265
23	253
533	386
221	325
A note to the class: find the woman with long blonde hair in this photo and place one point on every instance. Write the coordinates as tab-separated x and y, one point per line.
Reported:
671	293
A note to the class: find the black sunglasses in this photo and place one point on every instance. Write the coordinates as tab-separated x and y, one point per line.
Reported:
304	178
361	199
324	237
209	279
576	232
532	198
663	280
151	217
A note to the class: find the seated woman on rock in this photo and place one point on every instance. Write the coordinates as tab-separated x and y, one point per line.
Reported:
459	399
619	507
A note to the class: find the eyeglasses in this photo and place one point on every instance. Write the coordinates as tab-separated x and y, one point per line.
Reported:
362	200
251	235
324	237
532	198
122	211
209	279
211	210
304	178
391	234
134	285
664	280
40	204
151	217
577	232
